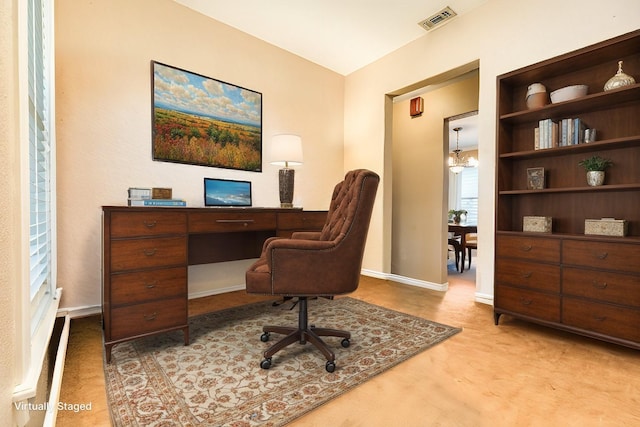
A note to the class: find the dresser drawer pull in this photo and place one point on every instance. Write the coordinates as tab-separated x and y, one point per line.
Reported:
151	285
526	248
525	301
603	255
527	274
597	285
150	252
150	317
149	224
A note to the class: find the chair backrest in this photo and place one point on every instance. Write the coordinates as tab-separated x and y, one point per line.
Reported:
352	197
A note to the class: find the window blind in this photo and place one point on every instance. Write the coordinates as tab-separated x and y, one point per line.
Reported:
41	169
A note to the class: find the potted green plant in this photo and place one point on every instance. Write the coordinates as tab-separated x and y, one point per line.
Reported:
595	167
456	215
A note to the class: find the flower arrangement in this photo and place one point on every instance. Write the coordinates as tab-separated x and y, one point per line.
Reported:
456	215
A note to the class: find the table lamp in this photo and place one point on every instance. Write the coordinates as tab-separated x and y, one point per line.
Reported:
286	150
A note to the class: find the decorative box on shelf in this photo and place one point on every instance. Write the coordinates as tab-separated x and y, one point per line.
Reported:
537	224
606	227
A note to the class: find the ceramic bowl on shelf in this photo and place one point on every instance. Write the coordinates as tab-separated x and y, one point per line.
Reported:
568	93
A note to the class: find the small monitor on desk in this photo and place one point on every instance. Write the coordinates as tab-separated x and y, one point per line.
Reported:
226	192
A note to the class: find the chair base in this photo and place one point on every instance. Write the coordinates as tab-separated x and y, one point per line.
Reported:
302	334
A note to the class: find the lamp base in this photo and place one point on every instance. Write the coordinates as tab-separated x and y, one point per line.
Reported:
286	177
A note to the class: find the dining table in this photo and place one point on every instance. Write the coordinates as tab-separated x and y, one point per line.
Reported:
462	230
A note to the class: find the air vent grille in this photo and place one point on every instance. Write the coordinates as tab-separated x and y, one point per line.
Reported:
438	19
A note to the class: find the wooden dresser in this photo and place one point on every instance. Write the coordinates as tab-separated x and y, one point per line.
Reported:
146	253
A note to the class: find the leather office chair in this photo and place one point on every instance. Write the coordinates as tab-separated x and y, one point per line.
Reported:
317	264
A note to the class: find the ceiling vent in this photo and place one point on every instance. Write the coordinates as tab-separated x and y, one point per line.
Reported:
438	19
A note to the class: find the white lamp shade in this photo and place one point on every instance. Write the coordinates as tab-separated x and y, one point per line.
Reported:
286	150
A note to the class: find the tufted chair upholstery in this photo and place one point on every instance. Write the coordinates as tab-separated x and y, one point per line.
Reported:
318	264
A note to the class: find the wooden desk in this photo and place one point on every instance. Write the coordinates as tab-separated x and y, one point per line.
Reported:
462	230
146	252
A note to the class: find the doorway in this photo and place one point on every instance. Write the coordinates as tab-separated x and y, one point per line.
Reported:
461	145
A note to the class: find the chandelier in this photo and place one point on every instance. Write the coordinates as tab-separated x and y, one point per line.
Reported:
457	162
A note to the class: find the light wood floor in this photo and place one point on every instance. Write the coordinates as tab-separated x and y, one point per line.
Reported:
514	374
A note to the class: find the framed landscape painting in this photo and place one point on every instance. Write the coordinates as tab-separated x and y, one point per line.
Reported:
202	121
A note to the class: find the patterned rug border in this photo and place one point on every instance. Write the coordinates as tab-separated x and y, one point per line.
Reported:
140	361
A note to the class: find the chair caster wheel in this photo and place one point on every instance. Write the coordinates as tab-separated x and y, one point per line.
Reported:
266	363
345	343
264	337
330	366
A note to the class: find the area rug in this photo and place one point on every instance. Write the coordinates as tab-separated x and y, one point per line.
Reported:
217	379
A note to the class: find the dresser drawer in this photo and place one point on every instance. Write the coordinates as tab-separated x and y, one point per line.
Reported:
604	255
146	253
529	303
151	223
605	319
220	222
133	288
530	248
139	319
532	275
600	285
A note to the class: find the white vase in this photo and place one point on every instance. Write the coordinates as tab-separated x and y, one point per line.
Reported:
595	178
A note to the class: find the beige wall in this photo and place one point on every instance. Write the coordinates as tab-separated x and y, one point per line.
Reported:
9	212
103	53
420	181
502	35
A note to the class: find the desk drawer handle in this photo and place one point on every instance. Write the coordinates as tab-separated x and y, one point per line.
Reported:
527	274
597	285
150	252
526	248
151	285
150	224
525	301
151	316
603	255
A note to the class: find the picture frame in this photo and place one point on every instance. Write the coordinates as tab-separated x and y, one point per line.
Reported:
227	193
535	178
203	121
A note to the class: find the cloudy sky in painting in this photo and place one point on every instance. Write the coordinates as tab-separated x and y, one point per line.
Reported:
191	93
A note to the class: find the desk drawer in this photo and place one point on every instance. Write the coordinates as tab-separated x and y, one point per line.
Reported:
609	256
529	303
133	320
216	222
152	223
528	274
606	319
601	285
145	253
133	288
301	221
531	248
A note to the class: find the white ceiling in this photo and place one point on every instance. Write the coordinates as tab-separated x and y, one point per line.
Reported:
342	35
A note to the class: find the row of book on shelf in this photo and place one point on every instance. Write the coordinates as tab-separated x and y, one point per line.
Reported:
153	197
563	133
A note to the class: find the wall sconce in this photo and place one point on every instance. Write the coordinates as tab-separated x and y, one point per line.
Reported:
286	150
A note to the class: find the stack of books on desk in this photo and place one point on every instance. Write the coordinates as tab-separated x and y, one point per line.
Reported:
152	197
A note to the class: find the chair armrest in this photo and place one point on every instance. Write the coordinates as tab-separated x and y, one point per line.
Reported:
306	235
303	267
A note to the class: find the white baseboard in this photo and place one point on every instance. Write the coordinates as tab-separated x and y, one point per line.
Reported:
484	298
217	291
407	280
